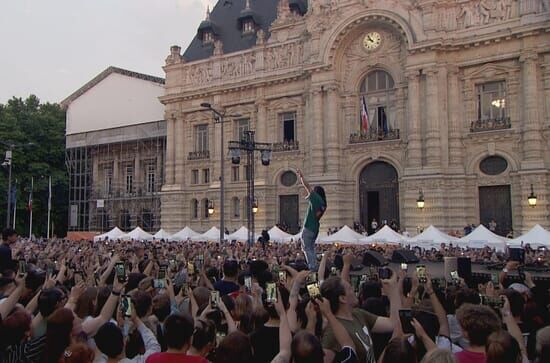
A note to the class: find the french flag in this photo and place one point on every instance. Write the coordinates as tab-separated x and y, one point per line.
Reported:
364	116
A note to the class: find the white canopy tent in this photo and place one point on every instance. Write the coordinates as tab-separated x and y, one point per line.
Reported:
344	235
481	237
431	238
278	235
162	234
113	234
536	237
293	238
240	235
384	235
184	234
137	234
213	234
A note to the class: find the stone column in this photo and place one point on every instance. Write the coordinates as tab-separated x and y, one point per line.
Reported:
117	182
180	158
331	126
170	148
433	149
138	182
532	140
261	120
414	149
317	131
546	88
454	113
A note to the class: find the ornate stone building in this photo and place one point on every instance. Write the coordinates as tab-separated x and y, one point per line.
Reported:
457	94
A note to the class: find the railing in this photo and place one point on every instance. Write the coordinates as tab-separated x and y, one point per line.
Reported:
358	138
285	146
490	124
199	155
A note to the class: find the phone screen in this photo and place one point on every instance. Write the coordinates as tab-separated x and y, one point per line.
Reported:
271	293
406	316
127	306
421	272
312	277
496	303
158	284
162	273
494	279
22	267
454	275
282	277
190	268
384	273
313	290
248	283
404	266
214	298
120	269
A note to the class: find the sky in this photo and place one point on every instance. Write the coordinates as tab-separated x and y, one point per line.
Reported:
50	48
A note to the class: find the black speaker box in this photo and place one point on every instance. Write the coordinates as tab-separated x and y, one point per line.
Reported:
464	268
373	258
404	256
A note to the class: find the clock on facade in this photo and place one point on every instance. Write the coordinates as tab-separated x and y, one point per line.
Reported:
372	40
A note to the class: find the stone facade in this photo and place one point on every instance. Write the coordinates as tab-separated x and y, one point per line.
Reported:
442	59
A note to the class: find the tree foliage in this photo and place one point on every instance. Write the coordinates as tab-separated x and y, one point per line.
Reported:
42	124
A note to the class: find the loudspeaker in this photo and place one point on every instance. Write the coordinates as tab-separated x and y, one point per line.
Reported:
450	264
464	268
373	258
404	256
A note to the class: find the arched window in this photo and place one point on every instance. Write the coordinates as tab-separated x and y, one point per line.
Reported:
205	208
194	209
236	207
377	99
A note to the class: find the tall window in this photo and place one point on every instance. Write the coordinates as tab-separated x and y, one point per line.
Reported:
147	219
378	89
201	138
491	101
241	126
129	178
288	125
108	179
249	26
236	207
150	176
205	208
206	176
125	223
235	171
208	37
194	177
194	209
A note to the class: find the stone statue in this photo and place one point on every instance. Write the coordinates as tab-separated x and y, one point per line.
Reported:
218	47
484	11
260	37
467	16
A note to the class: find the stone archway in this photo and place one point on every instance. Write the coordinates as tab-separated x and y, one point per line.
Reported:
378	194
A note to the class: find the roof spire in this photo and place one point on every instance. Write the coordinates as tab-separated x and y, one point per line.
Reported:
247	4
207	12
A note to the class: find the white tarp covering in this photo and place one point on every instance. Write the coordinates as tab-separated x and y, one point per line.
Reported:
162	234
278	235
185	234
240	235
384	235
431	238
536	237
213	234
137	234
113	234
344	235
481	237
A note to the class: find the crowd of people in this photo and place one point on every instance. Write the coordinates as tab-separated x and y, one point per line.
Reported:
162	301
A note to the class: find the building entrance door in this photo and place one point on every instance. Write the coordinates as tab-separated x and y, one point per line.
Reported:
289	213
378	195
495	203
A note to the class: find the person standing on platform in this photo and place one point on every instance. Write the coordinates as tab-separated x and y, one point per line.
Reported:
315	211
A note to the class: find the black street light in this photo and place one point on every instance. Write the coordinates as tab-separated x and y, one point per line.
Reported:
248	145
219	117
8	162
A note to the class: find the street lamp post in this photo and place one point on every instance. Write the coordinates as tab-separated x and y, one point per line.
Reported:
248	145
8	161
219	117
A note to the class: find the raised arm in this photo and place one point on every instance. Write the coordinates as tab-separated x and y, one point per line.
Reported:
444	329
285	335
387	325
512	326
340	332
293	300
91	326
7	306
303	181
347	266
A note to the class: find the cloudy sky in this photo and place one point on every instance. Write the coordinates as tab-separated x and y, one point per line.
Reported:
52	47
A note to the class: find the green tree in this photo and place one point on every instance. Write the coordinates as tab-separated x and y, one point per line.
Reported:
42	124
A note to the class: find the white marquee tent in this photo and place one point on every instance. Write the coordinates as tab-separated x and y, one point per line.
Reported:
240	235
185	234
431	238
536	237
384	235
213	234
481	237
162	234
137	234
113	234
278	235
344	235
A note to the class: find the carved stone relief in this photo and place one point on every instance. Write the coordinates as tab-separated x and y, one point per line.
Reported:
284	56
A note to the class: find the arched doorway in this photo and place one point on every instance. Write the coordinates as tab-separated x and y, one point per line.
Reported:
378	194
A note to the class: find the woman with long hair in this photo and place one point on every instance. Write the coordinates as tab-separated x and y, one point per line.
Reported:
58	335
315	211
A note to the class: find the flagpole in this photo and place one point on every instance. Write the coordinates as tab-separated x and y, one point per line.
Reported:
49	205
30	206
14	205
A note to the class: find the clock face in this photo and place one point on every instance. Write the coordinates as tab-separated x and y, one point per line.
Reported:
372	40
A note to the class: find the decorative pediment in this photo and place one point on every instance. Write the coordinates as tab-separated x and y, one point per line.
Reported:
490	71
286	103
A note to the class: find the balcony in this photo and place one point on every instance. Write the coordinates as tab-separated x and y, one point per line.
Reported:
199	155
286	146
490	124
357	138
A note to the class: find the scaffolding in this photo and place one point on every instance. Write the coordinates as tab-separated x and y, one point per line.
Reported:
115	178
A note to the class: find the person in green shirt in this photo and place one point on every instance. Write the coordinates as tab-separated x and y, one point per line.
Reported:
315	211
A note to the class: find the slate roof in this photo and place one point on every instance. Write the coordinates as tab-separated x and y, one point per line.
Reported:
225	20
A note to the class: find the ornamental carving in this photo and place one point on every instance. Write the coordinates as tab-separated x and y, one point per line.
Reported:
198	74
238	67
285	56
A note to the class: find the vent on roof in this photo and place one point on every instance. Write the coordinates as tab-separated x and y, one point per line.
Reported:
248	20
